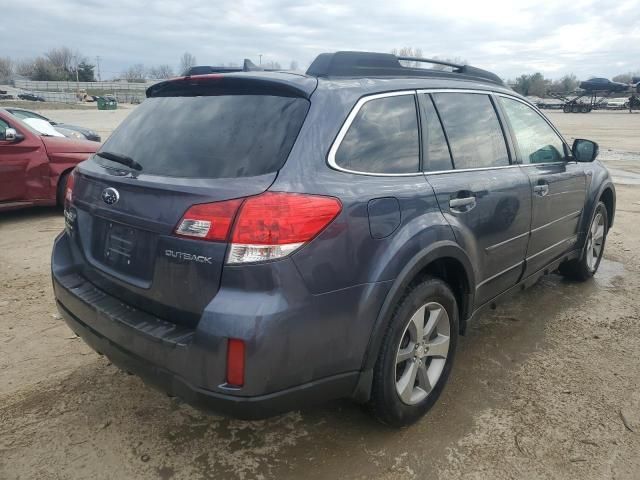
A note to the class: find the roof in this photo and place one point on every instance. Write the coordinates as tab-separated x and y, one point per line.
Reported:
356	70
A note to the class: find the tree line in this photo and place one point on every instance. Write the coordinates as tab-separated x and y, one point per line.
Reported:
65	64
56	64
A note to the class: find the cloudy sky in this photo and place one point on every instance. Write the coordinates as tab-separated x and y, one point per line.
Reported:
589	38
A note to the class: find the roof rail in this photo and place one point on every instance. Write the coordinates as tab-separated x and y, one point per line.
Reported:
368	64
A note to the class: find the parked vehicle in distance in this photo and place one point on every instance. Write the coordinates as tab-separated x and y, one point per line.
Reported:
31	96
34	167
603	84
68	130
617	103
254	242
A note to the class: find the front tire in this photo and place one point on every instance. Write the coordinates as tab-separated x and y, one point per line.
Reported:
417	354
585	267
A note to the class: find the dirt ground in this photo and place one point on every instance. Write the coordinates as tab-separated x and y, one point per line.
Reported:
546	386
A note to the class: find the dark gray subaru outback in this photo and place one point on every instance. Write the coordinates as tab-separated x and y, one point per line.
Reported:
255	241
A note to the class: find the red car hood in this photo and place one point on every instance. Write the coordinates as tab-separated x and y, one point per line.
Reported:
69	145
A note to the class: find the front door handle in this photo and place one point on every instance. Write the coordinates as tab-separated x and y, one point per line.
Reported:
462	204
541	190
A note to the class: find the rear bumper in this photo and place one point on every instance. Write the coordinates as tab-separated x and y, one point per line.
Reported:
175	385
295	355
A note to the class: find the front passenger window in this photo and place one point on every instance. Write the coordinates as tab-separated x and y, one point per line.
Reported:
3	127
537	141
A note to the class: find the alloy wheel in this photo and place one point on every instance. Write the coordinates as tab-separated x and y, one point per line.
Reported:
422	353
595	242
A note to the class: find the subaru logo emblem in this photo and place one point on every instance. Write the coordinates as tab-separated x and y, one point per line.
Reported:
110	196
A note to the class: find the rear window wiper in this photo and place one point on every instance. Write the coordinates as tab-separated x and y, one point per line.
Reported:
122	159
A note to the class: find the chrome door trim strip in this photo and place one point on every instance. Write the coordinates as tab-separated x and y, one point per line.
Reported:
498	245
572	238
493	277
577	213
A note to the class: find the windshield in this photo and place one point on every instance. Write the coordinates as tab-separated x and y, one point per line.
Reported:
23	114
224	136
42	127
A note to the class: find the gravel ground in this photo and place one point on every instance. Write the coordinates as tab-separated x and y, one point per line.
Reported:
545	386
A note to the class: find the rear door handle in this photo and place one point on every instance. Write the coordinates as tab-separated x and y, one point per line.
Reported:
541	190
462	204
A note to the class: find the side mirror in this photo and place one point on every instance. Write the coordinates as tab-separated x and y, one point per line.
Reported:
584	150
10	135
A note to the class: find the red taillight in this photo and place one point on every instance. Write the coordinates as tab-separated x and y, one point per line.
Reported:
275	224
68	189
266	227
276	218
235	362
209	221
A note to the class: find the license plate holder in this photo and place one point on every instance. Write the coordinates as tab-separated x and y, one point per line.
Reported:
120	246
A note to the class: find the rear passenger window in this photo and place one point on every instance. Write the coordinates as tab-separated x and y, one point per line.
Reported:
434	145
473	130
383	137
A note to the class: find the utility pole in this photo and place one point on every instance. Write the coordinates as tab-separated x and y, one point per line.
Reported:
98	65
77	79
260	62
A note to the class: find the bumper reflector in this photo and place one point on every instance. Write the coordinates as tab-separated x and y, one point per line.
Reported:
235	362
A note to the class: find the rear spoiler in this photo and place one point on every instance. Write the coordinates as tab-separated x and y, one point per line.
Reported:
236	83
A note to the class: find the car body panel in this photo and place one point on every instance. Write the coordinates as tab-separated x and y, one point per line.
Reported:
31	168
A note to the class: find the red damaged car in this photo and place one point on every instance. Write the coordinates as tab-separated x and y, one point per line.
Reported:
35	164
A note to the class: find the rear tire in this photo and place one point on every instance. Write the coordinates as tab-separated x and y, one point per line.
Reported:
585	267
416	355
62	186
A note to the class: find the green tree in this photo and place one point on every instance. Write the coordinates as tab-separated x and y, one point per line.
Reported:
535	85
85	72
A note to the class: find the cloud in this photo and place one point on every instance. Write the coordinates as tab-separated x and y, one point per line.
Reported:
587	37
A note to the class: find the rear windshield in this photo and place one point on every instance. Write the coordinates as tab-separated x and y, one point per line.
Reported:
224	136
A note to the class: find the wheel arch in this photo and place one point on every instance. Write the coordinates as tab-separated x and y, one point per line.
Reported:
60	177
445	260
608	197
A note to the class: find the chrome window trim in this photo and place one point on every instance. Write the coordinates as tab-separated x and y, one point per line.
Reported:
331	160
